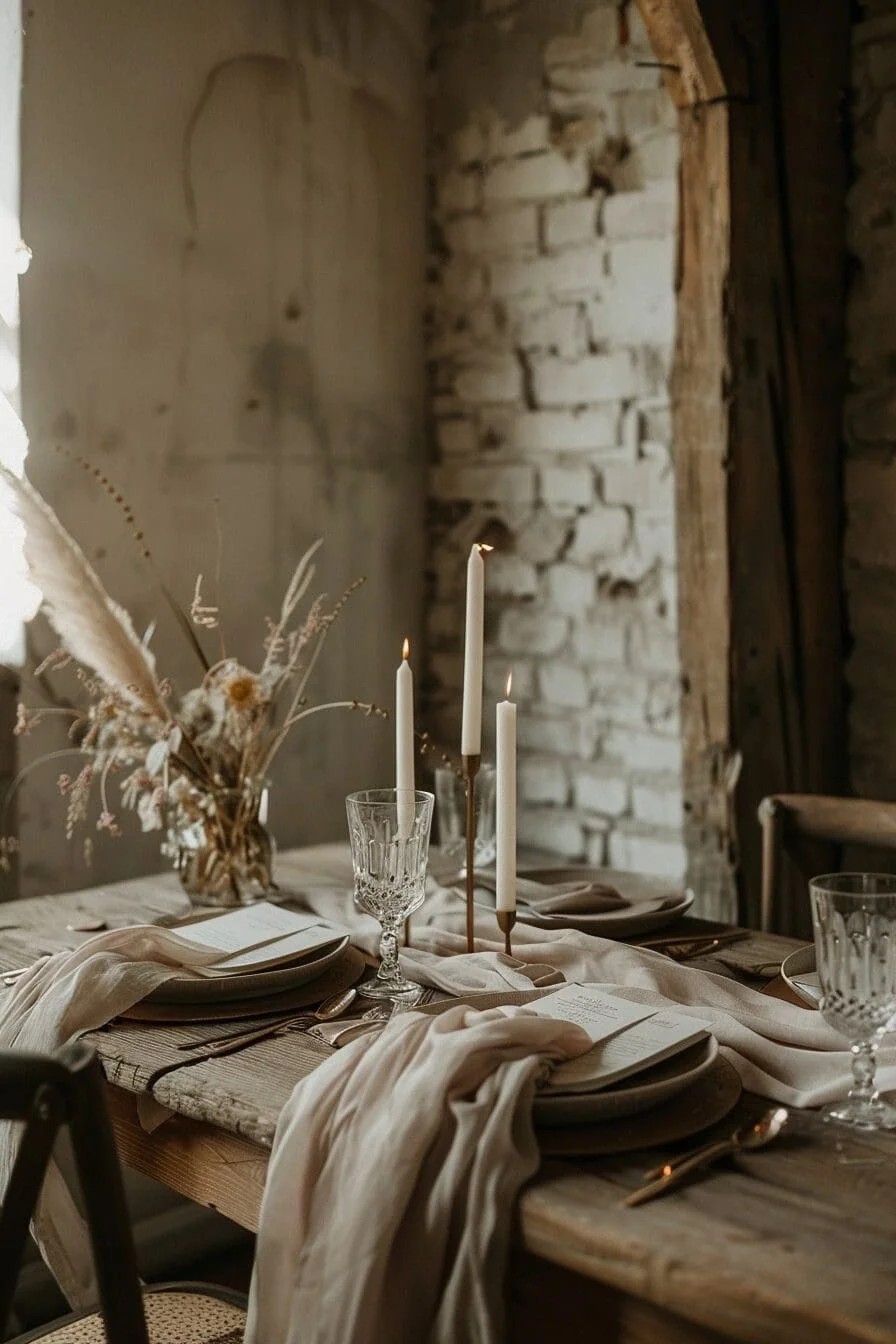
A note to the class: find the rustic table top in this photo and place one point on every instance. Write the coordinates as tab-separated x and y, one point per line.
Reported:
793	1243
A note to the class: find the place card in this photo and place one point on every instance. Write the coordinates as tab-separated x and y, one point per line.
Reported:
259	937
628	1037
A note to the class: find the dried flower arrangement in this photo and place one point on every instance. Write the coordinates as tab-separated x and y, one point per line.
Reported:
194	765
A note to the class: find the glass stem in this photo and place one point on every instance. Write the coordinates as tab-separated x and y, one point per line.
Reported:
389	967
864	1065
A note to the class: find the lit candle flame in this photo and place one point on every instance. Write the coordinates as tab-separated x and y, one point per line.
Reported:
481	546
509	680
406	649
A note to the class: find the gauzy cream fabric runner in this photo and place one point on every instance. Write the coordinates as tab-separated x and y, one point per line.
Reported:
786	1053
395	1170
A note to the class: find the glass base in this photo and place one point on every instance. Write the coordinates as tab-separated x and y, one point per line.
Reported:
399	989
866	1115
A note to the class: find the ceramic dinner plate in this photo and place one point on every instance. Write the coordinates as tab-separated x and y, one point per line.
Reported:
799	971
632	1096
229	988
630	921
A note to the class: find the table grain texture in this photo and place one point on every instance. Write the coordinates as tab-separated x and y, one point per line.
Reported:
796	1243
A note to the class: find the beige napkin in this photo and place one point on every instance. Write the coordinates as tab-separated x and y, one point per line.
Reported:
58	1000
559	892
395	1170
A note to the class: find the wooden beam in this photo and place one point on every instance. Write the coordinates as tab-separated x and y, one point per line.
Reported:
757	408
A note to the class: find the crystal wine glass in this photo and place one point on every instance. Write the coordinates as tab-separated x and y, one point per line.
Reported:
854	915
389	834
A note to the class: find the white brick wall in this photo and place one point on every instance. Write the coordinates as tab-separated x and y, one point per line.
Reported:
552	320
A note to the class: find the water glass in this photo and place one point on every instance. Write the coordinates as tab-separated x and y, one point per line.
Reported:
854	917
389	834
451	808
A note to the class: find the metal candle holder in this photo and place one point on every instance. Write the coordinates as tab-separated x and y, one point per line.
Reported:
471	769
506	921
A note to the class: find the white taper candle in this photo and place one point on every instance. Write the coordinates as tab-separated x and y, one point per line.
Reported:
471	726
404	743
505	803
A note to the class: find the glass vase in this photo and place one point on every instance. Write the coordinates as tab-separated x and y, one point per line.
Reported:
220	844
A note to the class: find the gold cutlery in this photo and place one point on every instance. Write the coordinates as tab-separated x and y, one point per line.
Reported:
332	1007
747	1138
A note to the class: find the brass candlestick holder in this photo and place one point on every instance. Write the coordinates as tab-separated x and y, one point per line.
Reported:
471	769
506	921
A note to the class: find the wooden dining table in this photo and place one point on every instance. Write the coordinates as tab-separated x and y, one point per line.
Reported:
794	1243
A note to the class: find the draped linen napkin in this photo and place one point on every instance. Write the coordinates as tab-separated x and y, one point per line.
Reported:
391	1186
786	1053
59	999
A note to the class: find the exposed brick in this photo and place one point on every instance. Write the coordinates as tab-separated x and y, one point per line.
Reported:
653	646
566	431
643	750
497	379
563	684
553	830
643	849
527	631
597	40
638	264
600	790
490	484
573	486
468	144
541	731
639	214
457	438
601	638
459	192
643	484
537	178
571	223
511	230
558	330
543	779
529	137
543	537
655	535
658	801
571	588
578	270
463	280
600	532
593	379
510	576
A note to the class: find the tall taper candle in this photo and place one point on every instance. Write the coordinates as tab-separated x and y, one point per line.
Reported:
404	743
505	803
471	726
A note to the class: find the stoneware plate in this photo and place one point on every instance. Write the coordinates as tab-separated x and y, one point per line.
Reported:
796	969
346	970
700	1105
200	989
641	1093
626	923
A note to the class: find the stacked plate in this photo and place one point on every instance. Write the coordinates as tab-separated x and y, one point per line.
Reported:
646	903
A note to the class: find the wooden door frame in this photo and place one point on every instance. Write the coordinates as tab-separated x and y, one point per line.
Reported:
757	395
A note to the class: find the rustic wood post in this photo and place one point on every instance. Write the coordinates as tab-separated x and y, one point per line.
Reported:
757	404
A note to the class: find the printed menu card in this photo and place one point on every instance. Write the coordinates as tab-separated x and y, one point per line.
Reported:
628	1037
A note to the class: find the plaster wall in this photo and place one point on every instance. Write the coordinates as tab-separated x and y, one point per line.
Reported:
225	203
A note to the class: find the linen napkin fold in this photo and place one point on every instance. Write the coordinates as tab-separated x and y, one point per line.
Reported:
56	1001
395	1168
559	892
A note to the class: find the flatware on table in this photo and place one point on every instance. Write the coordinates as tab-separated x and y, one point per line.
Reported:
331	1008
688	946
747	1138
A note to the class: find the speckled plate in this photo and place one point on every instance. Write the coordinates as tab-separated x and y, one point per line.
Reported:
228	988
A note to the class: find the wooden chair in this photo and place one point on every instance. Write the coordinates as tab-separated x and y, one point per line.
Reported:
47	1092
790	821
